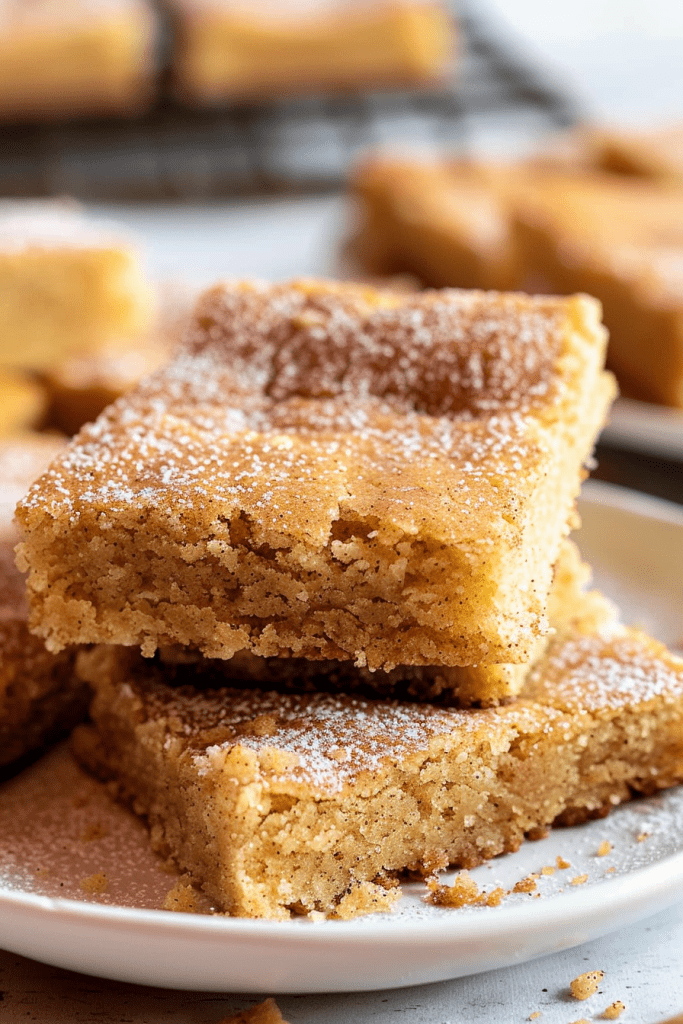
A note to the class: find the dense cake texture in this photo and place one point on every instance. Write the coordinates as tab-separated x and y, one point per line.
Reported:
75	57
288	803
239	51
570	606
329	472
68	284
40	696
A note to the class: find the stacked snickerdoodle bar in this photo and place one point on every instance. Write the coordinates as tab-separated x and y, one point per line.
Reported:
334	488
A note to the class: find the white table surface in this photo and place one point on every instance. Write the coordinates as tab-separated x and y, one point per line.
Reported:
643	968
624	58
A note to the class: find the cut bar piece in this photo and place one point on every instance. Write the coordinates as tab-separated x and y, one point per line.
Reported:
621	240
445	221
67	284
301	803
75	57
329	472
249	50
40	696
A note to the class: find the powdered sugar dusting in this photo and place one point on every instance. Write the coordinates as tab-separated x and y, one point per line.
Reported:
605	673
418	407
331	739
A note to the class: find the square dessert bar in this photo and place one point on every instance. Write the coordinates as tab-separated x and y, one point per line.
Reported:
40	694
622	241
251	50
445	221
75	57
288	803
329	472
67	284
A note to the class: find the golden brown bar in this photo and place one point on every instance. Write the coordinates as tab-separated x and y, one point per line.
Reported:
622	241
279	804
67	284
329	472
65	58
238	51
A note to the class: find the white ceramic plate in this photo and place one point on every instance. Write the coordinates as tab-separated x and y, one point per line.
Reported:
642	427
60	836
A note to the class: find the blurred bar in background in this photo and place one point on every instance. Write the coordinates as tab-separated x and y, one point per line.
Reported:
296	144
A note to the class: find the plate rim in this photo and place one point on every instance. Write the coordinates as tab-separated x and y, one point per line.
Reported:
469	926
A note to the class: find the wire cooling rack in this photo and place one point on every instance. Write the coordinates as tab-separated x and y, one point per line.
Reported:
298	145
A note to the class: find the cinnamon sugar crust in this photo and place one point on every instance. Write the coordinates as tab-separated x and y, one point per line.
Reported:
287	803
547	225
329	472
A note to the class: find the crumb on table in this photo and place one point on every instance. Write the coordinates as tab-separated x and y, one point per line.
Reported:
586	985
579	879
604	848
614	1010
562	863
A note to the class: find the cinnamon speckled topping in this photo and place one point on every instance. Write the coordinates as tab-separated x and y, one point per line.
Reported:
440	353
328	740
599	674
422	410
